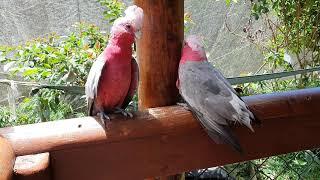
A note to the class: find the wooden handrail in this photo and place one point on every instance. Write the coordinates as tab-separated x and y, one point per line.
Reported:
168	140
33	167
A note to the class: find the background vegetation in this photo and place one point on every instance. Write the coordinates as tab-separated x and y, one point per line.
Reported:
293	26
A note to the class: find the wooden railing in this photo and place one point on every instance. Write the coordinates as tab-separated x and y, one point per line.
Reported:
166	140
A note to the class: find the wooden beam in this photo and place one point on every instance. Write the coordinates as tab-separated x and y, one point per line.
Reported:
159	51
168	140
7	158
32	167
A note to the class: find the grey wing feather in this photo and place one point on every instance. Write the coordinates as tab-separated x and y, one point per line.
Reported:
91	86
213	100
231	107
218	132
219	75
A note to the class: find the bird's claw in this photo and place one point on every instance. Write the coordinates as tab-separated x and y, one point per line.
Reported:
123	112
105	119
184	106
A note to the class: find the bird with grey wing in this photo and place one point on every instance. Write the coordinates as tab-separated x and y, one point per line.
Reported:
210	96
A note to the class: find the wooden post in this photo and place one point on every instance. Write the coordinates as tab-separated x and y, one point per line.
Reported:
7	158
159	51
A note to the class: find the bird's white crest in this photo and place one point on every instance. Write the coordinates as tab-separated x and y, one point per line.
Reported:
117	22
133	16
195	43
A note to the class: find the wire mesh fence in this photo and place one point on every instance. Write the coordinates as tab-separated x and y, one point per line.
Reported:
296	165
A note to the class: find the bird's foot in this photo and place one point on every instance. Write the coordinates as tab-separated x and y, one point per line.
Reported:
184	105
123	112
105	119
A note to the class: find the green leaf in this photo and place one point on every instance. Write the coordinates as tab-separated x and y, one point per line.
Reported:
299	162
30	72
228	2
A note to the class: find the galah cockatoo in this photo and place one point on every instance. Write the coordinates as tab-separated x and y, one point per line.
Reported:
209	95
113	77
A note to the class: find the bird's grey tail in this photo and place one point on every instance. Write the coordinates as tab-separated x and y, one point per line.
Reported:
221	134
226	138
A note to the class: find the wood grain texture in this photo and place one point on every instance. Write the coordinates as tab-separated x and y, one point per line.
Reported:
159	51
168	140
7	158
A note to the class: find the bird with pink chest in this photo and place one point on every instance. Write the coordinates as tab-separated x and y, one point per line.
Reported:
113	77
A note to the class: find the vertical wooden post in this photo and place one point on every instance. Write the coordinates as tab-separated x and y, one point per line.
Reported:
7	158
159	51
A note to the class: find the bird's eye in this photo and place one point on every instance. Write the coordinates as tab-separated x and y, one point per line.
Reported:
128	26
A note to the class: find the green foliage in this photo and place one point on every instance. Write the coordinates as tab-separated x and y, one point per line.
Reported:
294	43
5	115
297	165
295	34
297	30
113	9
56	60
259	7
228	2
187	22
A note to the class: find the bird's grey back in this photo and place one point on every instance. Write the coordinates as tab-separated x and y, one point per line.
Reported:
202	80
213	100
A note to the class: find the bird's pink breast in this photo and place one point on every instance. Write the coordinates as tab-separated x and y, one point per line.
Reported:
114	81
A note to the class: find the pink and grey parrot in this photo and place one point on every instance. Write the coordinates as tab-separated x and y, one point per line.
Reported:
209	95
113	77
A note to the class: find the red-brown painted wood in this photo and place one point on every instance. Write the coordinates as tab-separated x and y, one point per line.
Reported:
168	140
159	51
33	167
7	158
